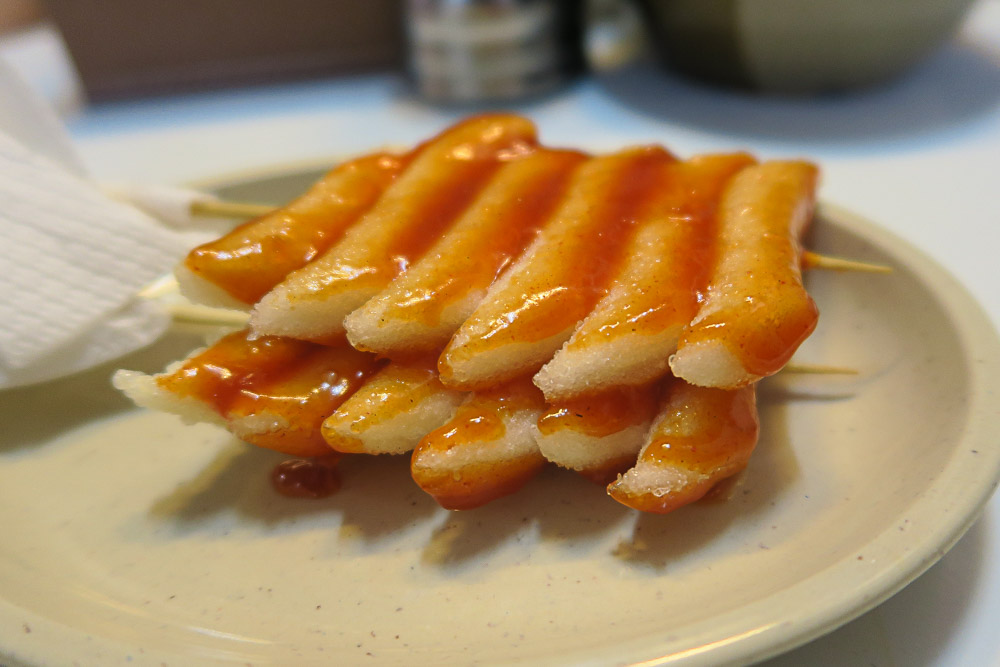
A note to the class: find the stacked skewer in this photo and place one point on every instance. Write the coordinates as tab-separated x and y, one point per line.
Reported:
492	305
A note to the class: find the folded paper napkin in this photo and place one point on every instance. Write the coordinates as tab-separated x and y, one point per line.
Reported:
72	254
72	260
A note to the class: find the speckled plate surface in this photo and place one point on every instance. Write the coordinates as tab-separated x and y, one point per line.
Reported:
130	538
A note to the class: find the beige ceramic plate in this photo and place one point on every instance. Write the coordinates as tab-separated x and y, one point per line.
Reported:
130	538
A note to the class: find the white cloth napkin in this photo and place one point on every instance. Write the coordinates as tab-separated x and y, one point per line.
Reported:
72	258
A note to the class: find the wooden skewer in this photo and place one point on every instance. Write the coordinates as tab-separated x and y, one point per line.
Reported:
191	313
160	287
214	208
195	314
812	260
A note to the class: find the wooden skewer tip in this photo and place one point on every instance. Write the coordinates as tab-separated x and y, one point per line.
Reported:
193	314
812	260
162	286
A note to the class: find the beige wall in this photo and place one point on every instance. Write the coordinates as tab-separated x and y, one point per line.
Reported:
16	14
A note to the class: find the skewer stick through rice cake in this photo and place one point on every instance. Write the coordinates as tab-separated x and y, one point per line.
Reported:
469	263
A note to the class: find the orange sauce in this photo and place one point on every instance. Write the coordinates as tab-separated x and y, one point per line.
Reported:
531	187
218	374
701	430
399	388
705	430
762	344
309	389
481	417
301	382
679	217
601	414
580	265
478	484
438	186
255	256
763	312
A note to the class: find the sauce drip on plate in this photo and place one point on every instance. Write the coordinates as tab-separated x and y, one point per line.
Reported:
307	478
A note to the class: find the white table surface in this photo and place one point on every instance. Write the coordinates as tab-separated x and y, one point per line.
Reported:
920	156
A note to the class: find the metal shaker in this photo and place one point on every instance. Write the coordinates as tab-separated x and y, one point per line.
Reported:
492	50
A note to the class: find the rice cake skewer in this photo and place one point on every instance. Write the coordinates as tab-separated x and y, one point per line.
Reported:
532	309
392	411
485	451
756	310
272	392
422	307
630	334
239	268
444	178
701	436
598	436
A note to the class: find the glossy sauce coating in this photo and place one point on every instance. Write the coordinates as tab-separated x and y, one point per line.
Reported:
255	256
463	478
704	430
496	228
569	275
672	253
756	305
603	414
392	393
296	381
701	437
481	418
444	178
398	387
560	276
479	483
636	220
